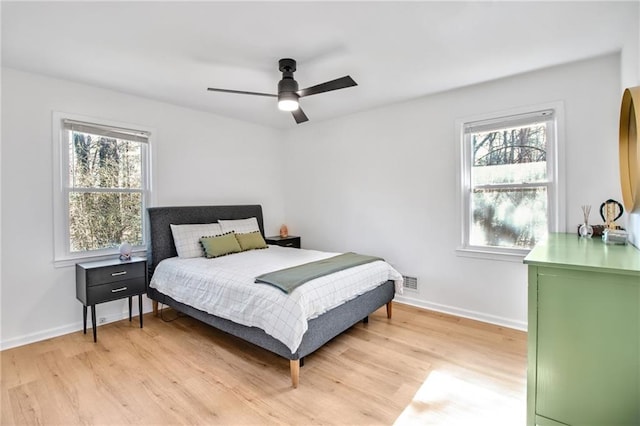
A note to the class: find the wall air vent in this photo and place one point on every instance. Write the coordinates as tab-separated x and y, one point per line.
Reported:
410	283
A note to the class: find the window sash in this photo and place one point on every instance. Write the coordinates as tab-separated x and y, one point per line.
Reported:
498	186
505	188
141	217
86	189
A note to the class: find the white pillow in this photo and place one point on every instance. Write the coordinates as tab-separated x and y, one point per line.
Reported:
240	226
187	237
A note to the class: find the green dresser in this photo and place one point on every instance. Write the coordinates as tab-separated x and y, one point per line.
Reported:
584	333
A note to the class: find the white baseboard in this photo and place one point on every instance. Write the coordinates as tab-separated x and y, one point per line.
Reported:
452	310
59	331
460	312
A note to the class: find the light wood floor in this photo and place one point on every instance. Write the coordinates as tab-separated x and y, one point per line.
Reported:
419	368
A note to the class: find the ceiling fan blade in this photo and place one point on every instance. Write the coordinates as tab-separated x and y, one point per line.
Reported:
241	92
338	83
299	115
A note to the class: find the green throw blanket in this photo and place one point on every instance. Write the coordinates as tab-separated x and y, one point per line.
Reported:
289	279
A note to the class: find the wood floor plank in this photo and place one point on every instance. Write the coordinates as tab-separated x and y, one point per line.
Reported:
419	367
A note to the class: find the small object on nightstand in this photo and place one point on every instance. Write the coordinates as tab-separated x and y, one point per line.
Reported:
107	280
288	241
125	251
284	231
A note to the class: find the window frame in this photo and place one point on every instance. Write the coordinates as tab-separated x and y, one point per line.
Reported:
554	184
63	256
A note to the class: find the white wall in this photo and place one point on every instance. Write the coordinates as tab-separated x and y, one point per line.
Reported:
199	158
384	182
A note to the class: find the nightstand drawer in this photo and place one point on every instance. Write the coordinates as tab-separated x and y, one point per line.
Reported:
114	273
115	290
290	241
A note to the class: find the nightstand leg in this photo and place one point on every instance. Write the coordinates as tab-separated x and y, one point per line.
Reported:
93	322
140	308
84	319
130	308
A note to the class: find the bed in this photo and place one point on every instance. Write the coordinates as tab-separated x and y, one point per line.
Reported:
319	330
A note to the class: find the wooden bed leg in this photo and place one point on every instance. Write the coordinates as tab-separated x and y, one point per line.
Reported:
389	309
154	304
295	372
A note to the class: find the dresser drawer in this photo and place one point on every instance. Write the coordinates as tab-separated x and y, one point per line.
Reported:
114	273
115	290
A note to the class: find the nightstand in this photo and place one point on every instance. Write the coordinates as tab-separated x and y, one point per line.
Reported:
290	241
107	280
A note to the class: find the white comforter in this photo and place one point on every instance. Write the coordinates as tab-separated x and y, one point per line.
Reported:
225	287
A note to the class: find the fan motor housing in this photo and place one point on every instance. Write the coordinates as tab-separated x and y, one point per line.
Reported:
287	85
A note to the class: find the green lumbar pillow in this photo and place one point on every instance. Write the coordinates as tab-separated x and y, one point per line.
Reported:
220	245
251	240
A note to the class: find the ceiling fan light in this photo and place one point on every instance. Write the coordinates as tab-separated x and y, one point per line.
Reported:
287	101
288	105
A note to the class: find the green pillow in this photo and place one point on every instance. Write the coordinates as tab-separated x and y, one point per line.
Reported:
220	245
251	240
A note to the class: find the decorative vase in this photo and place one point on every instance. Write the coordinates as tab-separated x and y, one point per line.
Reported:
284	232
125	251
586	230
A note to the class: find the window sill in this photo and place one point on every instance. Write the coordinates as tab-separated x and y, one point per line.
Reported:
492	254
72	261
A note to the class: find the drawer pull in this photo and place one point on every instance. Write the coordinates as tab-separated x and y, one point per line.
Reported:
115	274
116	290
288	244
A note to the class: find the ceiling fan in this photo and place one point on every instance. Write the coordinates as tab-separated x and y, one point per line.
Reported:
288	92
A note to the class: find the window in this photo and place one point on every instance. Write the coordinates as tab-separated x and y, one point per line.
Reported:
102	187
509	181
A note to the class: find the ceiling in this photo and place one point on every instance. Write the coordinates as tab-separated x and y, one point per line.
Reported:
173	51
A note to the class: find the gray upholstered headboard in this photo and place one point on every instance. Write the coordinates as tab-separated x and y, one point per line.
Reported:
161	245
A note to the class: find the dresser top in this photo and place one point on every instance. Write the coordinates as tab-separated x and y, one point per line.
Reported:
569	250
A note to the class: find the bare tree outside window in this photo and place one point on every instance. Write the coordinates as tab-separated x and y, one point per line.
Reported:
106	191
511	182
509	177
509	186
